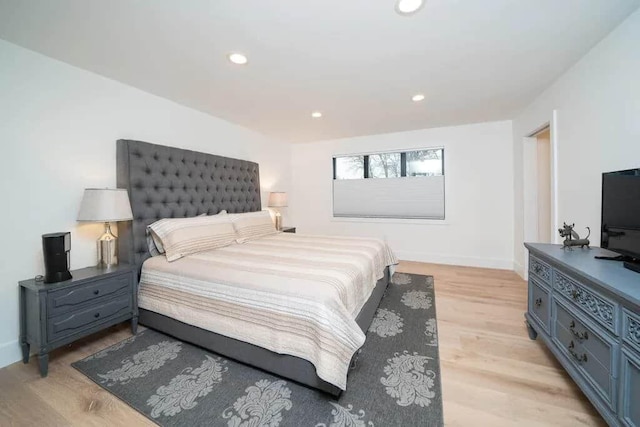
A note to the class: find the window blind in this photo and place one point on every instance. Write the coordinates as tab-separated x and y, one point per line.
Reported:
405	197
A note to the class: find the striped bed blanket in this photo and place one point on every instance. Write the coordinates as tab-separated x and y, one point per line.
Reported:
289	293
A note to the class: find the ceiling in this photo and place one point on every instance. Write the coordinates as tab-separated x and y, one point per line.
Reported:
357	61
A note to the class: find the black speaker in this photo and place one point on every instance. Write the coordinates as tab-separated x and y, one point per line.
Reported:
56	248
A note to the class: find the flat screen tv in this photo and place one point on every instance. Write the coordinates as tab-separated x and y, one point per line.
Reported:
621	214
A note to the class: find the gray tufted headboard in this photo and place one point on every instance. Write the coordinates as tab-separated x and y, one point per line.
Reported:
169	182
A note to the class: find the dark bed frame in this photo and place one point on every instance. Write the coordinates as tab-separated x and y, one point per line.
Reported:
169	182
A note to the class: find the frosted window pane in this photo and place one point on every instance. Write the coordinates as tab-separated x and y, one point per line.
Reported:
384	165
424	163
350	167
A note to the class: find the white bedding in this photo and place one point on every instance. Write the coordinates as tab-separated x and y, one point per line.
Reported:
289	293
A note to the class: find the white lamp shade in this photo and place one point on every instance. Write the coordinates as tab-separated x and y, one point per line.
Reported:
105	205
278	199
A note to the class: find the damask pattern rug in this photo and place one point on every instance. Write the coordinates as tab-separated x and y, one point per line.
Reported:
395	380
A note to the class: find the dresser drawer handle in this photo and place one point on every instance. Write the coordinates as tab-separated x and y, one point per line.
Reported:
538	302
581	336
96	315
575	294
580	359
96	292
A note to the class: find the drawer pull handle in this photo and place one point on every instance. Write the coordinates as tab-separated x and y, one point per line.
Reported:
96	315
575	294
96	292
538	302
580	359
581	336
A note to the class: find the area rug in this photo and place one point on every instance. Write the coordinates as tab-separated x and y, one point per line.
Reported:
394	382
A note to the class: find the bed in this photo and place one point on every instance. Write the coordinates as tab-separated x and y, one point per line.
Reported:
168	182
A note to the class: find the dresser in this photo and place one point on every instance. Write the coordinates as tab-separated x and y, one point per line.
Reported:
55	314
587	311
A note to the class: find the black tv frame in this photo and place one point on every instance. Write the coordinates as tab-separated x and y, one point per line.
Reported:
631	262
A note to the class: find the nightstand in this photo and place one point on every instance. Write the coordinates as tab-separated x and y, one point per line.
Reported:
56	314
288	229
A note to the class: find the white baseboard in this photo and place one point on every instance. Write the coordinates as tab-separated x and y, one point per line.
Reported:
10	353
502	264
519	268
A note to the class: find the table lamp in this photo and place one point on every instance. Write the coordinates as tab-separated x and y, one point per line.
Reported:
278	199
106	205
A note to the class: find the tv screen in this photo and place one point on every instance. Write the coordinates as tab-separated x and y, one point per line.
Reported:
621	212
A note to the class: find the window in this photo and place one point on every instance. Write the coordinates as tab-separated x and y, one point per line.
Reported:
425	163
348	167
384	165
407	184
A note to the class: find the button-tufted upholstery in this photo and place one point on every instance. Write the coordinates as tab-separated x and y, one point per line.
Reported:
169	182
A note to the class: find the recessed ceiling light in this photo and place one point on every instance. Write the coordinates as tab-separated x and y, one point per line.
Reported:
316	114
238	58
417	98
408	7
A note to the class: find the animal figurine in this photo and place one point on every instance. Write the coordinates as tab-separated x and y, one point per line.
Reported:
572	238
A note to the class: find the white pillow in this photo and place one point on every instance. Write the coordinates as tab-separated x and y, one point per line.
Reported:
180	237
252	225
155	245
152	244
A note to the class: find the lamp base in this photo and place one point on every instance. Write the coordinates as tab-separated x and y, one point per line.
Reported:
278	221
107	248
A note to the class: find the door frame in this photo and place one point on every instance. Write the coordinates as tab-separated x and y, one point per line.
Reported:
530	183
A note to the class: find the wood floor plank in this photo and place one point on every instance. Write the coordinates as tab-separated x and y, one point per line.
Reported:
492	373
19	406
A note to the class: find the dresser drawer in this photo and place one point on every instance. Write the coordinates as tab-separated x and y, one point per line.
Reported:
630	388
599	308
79	320
586	364
593	339
631	329
540	269
539	303
69	299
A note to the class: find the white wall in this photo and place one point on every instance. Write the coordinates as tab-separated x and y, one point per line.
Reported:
598	129
478	184
58	130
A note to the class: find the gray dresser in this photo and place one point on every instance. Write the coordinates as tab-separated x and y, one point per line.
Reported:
587	311
52	315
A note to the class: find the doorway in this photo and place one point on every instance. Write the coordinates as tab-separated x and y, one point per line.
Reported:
543	157
539	186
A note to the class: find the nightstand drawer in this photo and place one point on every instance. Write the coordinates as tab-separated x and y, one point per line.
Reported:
76	321
69	299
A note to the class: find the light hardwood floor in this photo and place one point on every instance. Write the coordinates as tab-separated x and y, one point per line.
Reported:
492	374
